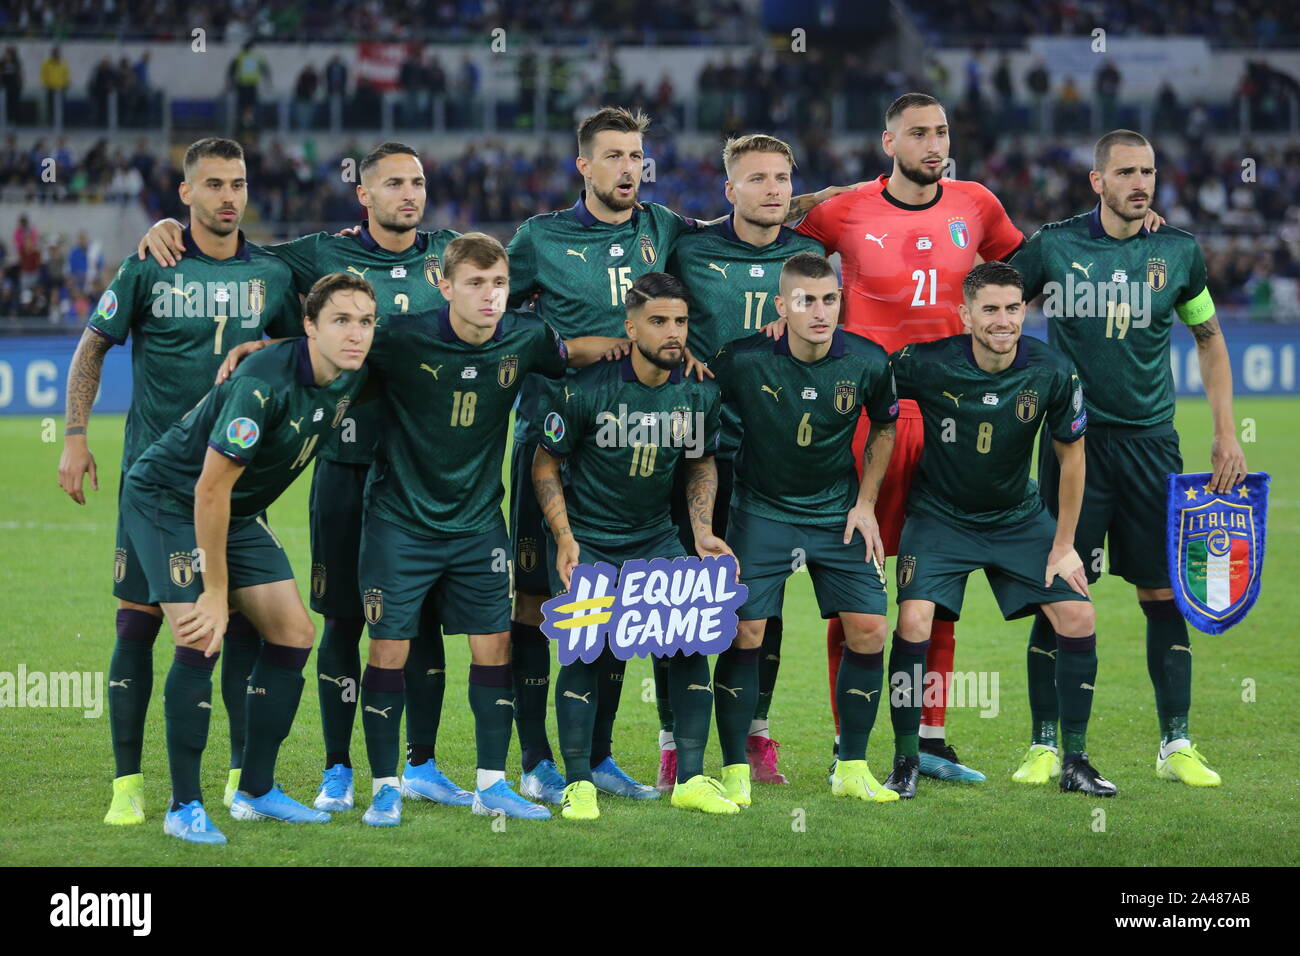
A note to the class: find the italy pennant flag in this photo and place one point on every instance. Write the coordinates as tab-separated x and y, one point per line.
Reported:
1216	548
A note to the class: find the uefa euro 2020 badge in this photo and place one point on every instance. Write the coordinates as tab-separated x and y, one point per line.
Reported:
1215	548
658	608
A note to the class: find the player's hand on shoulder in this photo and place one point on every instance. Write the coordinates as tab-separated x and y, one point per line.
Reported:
237	355
349	231
623	348
1153	220
695	367
774	329
1228	462
164	242
74	463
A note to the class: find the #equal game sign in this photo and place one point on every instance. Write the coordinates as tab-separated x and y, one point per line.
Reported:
1215	548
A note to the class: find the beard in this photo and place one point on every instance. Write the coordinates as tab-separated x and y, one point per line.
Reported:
777	218
919	174
613	201
218	226
658	360
394	224
1119	204
984	339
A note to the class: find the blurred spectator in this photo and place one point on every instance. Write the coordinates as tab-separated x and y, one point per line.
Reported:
336	77
11	80
55	77
85	261
248	70
27	250
1106	85
304	96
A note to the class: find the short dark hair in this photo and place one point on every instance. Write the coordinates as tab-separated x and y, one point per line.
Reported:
614	118
382	150
990	273
213	146
656	285
327	285
1116	137
806	265
476	248
907	101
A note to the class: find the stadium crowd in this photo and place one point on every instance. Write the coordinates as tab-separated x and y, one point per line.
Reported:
1252	228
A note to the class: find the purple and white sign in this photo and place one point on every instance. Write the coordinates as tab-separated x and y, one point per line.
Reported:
657	608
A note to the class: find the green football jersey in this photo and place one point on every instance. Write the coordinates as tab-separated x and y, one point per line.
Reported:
445	410
270	416
403	281
581	268
621	441
795	462
183	320
1110	305
980	426
733	286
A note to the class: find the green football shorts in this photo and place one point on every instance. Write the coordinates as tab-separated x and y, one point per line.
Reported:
164	545
935	557
769	551
1124	500
469	577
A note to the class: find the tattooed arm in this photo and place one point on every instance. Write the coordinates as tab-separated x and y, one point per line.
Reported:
550	497
701	493
862	516
83	386
801	205
1227	460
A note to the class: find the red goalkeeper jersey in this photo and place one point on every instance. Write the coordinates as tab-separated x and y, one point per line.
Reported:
903	265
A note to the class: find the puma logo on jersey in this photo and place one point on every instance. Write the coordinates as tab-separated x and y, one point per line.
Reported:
574	252
120	683
863	693
257	393
722	269
767	388
355	271
566	394
1075	265
703	687
1086	687
333	680
581	697
432	371
956	399
880	242
182	293
1039	650
296	425
1172	647
504	702
733	691
382	713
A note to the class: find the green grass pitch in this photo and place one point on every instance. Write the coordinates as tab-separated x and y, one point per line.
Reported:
55	764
